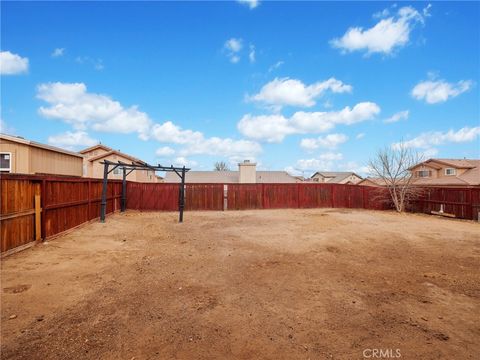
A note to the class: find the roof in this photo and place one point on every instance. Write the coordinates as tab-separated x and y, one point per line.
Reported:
94	147
21	140
115	152
336	176
230	177
456	163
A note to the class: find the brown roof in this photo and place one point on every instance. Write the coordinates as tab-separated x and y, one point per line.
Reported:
21	140
456	163
101	156
94	147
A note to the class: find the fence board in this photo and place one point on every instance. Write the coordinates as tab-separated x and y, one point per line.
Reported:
244	196
203	197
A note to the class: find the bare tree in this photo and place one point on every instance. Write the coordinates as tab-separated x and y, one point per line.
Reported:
392	165
221	166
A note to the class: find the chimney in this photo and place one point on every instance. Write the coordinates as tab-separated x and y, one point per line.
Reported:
248	172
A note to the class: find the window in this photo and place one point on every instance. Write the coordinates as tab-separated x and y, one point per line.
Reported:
5	162
116	171
423	173
450	171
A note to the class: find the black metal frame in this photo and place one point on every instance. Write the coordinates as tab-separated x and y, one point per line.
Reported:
180	171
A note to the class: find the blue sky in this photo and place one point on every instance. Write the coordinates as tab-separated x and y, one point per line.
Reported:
302	86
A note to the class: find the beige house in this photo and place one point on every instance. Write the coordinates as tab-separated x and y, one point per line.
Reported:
336	177
447	172
246	174
93	167
440	172
22	156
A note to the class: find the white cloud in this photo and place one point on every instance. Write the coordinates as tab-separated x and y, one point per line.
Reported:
233	47
330	141
58	52
183	161
325	161
286	91
251	54
12	64
72	140
96	63
360	136
274	128
165	151
434	138
71	103
435	91
195	142
401	115
275	66
381	14
384	37
252	4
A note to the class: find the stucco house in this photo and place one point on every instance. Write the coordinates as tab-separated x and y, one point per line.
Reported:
246	174
336	177
21	156
93	167
440	172
447	172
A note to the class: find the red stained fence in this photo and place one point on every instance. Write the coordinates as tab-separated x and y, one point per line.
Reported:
68	202
464	203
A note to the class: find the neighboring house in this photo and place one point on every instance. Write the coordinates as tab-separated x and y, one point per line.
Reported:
22	156
246	174
336	177
447	172
93	167
369	181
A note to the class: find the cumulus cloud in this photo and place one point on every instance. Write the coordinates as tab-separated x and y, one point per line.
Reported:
285	91
325	161
329	141
434	138
73	104
436	91
195	143
58	52
401	115
232	48
274	128
252	4
165	151
12	64
183	161
384	37
72	140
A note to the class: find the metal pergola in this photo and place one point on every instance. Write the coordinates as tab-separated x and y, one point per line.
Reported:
109	166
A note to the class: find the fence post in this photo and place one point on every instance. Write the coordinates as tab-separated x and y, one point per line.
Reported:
298	195
263	196
44	202
469	205
38	224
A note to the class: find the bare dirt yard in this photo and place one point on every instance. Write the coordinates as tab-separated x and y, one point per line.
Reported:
285	284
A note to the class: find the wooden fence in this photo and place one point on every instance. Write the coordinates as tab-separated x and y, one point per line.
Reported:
65	203
464	203
69	202
145	196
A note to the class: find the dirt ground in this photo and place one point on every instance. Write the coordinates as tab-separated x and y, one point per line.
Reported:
285	284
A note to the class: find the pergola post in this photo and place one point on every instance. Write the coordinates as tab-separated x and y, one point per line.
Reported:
124	190
103	204
182	195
